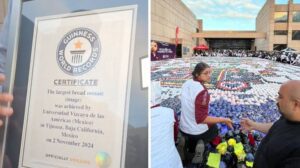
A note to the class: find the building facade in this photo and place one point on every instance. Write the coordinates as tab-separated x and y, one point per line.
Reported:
166	16
281	23
277	27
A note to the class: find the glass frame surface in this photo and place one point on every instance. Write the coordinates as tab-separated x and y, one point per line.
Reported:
21	31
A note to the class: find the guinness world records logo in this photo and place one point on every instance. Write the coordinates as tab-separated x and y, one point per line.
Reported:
78	51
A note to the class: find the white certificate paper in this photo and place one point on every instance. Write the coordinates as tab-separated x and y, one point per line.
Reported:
78	91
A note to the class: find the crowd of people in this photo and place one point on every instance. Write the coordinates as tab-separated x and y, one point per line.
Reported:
292	58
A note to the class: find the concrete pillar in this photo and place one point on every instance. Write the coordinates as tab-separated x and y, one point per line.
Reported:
252	45
270	34
200	28
290	22
200	25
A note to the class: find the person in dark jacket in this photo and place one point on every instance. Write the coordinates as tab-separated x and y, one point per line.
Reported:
280	148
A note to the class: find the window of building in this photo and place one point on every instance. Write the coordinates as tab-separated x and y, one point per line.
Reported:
296	35
279	47
296	16
280	32
280	17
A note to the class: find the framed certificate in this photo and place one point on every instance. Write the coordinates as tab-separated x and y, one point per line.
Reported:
78	96
77	100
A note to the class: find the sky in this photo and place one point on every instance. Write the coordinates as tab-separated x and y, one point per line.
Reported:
228	14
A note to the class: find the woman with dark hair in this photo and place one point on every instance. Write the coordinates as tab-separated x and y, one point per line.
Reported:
195	123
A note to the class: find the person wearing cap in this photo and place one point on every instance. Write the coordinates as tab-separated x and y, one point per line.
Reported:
195	123
280	147
163	150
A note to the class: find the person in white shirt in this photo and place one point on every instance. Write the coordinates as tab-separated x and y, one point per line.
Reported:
163	150
195	122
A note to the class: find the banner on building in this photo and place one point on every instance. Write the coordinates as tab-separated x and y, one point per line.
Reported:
162	50
78	90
